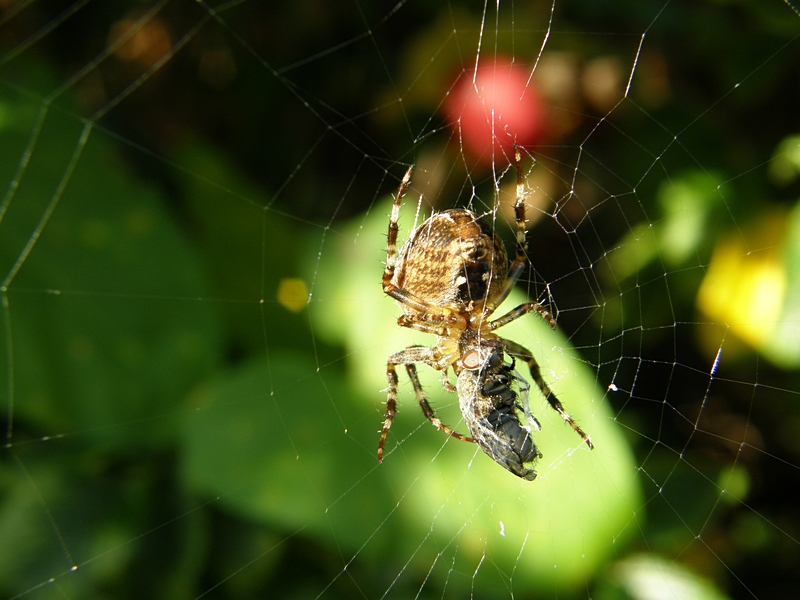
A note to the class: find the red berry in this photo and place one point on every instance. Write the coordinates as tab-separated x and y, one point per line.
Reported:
494	108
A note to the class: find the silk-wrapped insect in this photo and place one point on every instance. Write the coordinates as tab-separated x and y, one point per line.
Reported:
491	409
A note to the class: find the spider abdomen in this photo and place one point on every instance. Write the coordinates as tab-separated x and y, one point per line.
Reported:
451	260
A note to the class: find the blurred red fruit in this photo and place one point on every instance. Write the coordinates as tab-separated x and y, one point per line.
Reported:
494	108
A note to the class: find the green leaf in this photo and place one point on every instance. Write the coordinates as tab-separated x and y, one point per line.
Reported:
649	577
580	503
103	325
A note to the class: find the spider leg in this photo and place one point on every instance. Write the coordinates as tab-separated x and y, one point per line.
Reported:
445	380
521	310
523	353
408	357
391	407
426	408
515	270
391	252
391	239
390	289
438	325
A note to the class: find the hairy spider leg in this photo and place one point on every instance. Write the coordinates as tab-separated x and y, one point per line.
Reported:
516	268
407	357
520	311
399	294
522	353
520	260
391	252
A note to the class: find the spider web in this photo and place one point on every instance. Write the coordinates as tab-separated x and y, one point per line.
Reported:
192	227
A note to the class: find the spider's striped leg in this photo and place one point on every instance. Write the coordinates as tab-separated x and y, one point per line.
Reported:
516	268
521	310
391	407
408	357
391	238
426	408
389	288
523	353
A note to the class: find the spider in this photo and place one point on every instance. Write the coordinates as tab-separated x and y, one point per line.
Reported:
448	278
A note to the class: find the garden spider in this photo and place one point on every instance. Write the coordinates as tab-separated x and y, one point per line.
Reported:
449	277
